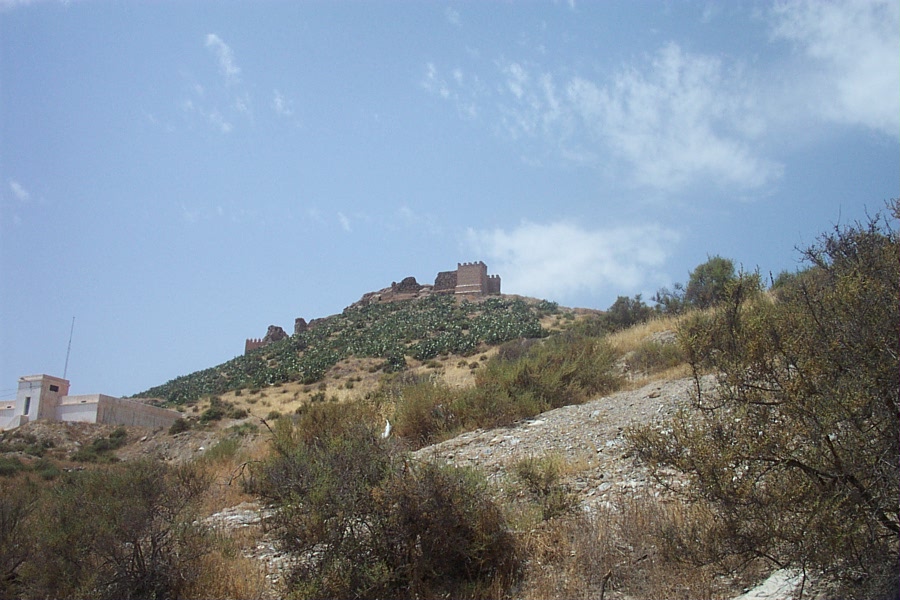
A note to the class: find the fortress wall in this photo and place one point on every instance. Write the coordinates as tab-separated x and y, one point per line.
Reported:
471	278
445	282
493	284
253	344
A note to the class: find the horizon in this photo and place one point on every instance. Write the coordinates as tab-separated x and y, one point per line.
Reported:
179	176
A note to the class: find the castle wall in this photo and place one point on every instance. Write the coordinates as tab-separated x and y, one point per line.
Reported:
445	283
471	278
493	285
253	344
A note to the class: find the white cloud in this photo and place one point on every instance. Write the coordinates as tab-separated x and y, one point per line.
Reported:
282	105
19	191
433	82
675	121
225	56
462	92
344	221
683	120
853	45
560	259
452	16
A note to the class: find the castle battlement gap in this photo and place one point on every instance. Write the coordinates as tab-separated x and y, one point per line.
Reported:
44	397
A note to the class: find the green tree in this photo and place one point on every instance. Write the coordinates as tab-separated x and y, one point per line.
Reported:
706	285
625	312
796	449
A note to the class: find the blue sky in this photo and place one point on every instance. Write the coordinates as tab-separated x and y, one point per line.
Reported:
179	175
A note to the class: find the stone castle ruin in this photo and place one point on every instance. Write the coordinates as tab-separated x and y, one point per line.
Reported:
470	279
44	397
467	279
274	334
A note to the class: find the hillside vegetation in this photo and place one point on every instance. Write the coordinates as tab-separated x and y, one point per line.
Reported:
420	329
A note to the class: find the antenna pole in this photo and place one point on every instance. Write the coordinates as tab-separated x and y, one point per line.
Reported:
69	349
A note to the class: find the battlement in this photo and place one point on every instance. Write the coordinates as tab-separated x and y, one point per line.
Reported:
470	278
274	334
253	344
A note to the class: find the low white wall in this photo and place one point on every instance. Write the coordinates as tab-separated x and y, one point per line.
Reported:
122	411
8	418
80	409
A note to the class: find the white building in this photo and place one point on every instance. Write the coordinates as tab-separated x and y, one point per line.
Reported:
46	397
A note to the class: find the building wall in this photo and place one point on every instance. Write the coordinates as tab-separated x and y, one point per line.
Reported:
253	344
38	396
78	409
90	408
122	411
471	278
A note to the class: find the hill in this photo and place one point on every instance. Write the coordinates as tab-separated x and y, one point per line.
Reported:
391	333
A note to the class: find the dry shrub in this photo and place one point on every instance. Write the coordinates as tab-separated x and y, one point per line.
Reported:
797	449
617	551
223	464
541	478
365	521
653	357
225	572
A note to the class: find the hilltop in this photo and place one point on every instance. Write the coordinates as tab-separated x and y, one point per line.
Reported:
373	337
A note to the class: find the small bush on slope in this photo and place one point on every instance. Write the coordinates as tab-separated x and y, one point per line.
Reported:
367	522
517	383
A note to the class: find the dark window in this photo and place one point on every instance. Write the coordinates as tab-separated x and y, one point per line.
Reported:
54	388
27	404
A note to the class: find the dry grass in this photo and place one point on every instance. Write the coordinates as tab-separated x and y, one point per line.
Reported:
226	489
628	340
225	571
616	552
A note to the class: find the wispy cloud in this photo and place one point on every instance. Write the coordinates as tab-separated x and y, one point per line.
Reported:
212	116
344	221
852	46
225	56
674	120
452	16
460	89
19	191
282	105
561	259
679	119
683	119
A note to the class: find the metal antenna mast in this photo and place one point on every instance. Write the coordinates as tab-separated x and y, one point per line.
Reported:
69	349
